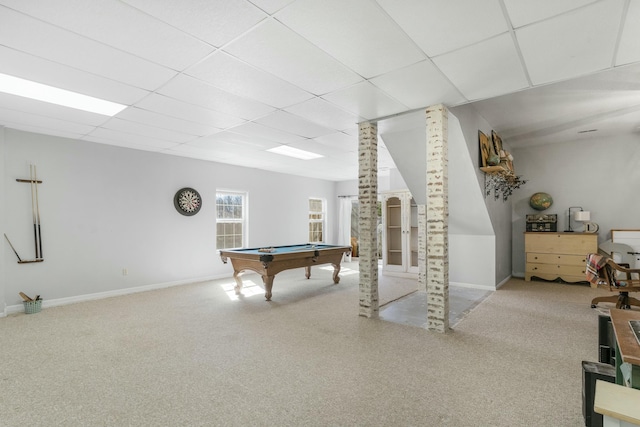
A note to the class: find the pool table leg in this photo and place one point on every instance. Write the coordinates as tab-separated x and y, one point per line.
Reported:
307	271
238	286
268	285
336	270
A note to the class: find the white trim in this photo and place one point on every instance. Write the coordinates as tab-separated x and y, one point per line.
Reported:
472	286
18	308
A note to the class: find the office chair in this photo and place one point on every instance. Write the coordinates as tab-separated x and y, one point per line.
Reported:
617	275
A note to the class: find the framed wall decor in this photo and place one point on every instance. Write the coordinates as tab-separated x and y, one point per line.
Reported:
497	144
484	148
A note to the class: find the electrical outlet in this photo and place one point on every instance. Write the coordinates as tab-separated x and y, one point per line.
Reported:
125	271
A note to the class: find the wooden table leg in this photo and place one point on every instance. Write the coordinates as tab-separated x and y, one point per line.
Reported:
268	285
238	286
336	270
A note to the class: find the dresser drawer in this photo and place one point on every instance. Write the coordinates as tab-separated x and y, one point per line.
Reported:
561	243
580	260
559	270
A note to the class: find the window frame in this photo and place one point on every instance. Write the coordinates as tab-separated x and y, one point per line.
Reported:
243	220
322	220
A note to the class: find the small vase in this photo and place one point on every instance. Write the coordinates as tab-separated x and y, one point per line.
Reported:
493	159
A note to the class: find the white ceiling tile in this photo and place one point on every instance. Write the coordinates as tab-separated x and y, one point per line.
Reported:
40	70
45	109
117	24
122	144
232	138
197	92
36	121
42	130
365	100
232	75
162	121
486	69
147	131
573	44
189	112
326	114
419	85
214	21
525	12
629	47
291	123
271	6
186	150
40	39
356	32
441	26
276	49
123	139
258	130
340	141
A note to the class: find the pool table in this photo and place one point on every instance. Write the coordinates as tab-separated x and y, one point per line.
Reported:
269	261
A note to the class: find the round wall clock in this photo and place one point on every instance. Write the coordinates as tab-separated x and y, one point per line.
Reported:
187	201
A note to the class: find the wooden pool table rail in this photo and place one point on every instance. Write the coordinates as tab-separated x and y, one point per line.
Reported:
268	265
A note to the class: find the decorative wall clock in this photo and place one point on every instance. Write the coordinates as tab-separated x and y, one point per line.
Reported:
187	201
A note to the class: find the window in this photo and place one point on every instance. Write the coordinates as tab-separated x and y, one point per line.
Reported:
231	217
316	220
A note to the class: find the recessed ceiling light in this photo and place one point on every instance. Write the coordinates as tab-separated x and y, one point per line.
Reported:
286	150
54	95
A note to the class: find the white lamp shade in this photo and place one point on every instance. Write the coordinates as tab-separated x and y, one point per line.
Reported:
582	216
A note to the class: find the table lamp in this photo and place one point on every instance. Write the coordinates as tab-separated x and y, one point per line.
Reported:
580	214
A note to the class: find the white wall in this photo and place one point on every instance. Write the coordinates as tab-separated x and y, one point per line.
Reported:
599	174
105	208
499	211
3	247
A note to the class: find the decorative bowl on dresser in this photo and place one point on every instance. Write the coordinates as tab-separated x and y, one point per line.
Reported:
551	256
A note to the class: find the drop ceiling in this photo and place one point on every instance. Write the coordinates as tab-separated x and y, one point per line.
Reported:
226	80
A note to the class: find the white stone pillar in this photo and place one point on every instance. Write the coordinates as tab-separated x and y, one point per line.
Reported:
422	247
437	220
368	221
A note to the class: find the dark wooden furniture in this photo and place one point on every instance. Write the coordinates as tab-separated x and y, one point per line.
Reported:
621	280
268	262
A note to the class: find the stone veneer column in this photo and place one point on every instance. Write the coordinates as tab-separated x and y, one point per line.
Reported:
437	220
422	247
368	221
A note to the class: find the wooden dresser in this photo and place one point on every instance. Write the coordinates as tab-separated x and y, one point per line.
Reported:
550	256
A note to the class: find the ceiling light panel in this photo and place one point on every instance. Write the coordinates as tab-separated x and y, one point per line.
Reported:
258	130
486	69
588	42
43	123
441	26
31	67
276	49
286	150
356	32
47	41
46	109
40	92
117	24
234	76
214	21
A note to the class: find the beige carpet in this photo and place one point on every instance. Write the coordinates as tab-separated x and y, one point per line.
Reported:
197	356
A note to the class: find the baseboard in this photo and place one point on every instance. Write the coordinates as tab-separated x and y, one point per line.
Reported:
472	285
18	308
503	282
